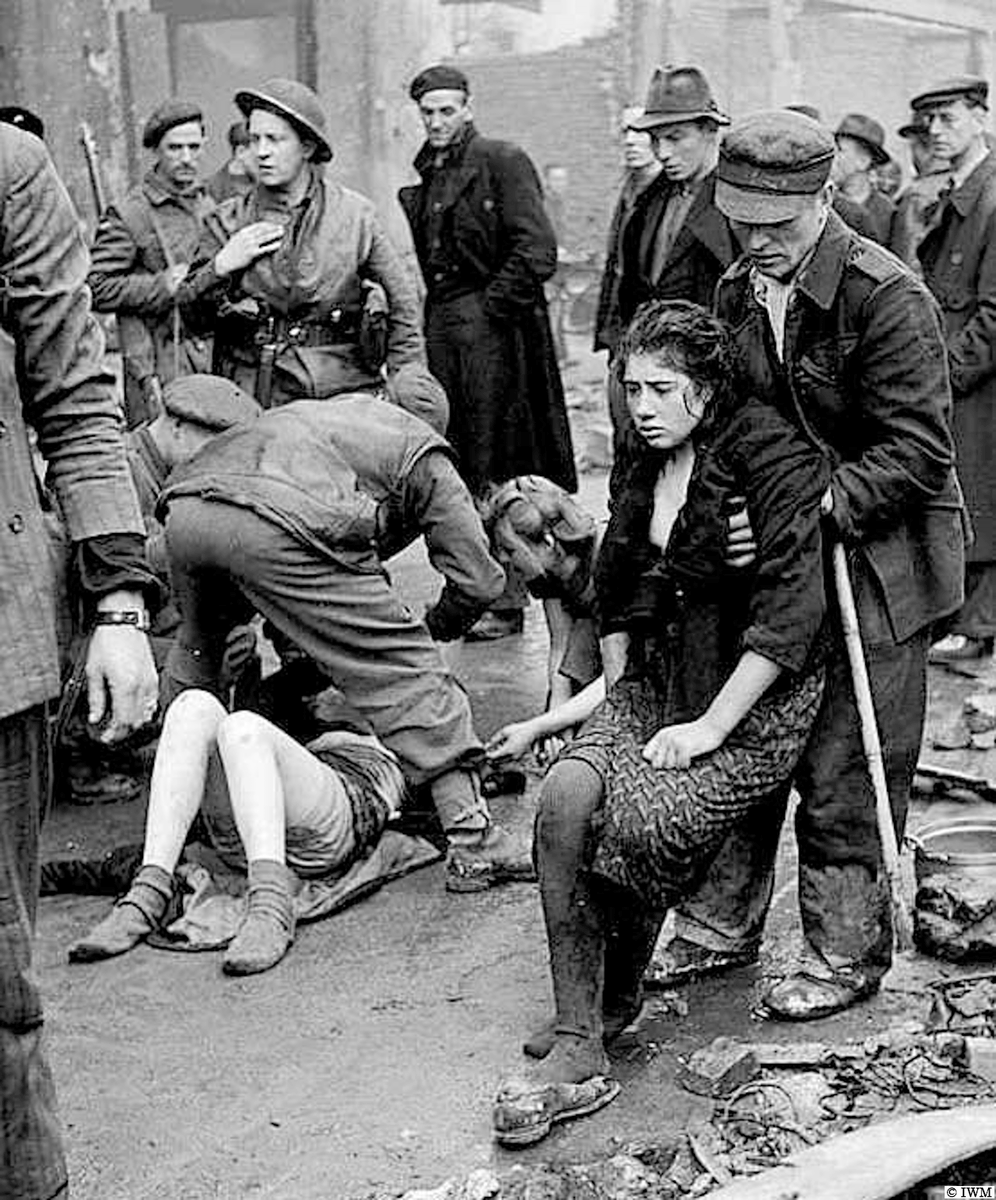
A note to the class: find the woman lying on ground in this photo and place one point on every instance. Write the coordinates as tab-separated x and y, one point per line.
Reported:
273	808
721	686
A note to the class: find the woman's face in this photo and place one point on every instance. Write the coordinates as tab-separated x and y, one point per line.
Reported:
280	153
666	406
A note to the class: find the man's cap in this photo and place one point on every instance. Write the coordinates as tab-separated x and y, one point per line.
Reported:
913	129
166	117
678	94
768	161
868	132
295	102
441	76
414	388
209	401
22	118
971	88
807	110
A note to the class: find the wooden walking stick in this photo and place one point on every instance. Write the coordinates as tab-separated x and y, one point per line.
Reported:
901	922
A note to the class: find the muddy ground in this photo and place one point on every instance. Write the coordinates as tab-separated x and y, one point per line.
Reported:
365	1063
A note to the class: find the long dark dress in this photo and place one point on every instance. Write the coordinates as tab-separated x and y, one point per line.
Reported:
690	618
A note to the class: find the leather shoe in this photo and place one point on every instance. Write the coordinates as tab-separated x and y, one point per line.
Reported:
682	961
495	859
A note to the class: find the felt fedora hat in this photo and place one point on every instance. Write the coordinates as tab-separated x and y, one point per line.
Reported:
678	94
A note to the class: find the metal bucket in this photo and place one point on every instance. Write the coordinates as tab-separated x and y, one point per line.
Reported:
955	864
965	843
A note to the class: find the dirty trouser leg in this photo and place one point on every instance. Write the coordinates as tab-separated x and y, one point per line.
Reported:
342	613
32	1165
843	897
727	912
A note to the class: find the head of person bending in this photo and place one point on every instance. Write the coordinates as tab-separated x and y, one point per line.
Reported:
196	408
287	134
676	367
773	185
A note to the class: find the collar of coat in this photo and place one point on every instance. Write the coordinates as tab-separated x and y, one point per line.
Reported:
964	199
429	159
158	191
821	276
703	222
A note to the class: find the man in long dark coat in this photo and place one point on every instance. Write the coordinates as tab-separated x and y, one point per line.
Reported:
485	245
959	266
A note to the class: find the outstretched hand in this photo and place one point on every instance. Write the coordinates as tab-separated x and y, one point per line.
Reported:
510	742
674	746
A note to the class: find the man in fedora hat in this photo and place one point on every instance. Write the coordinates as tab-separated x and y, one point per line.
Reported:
918	204
676	243
958	255
142	251
860	149
486	247
848	344
294	277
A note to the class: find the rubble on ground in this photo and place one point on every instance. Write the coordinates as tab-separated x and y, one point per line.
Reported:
771	1100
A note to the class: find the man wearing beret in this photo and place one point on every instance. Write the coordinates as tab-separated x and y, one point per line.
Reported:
486	246
676	243
860	148
849	344
291	515
958	255
141	253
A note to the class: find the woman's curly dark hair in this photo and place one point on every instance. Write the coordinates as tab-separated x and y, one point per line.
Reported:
688	338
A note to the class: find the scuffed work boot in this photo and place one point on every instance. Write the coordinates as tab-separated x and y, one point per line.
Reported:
130	921
495	857
267	932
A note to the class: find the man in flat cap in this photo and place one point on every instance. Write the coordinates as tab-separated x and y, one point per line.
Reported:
141	253
958	254
860	149
676	243
486	246
849	344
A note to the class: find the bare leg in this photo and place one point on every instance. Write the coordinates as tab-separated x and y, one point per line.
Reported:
178	779
179	775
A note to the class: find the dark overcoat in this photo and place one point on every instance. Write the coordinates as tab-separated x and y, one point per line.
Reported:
702	250
959	266
488	333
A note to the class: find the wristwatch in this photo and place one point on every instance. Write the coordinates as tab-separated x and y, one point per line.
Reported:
128	616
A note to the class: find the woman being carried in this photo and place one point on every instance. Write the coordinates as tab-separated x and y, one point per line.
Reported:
721	686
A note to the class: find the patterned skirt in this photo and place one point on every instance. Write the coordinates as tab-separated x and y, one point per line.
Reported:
657	831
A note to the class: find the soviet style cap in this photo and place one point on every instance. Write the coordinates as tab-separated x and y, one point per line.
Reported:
209	401
295	102
678	94
768	161
442	76
166	117
22	118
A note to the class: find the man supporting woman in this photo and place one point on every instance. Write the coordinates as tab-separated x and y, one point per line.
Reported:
722	684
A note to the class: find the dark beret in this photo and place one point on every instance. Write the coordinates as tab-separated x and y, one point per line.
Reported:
209	401
166	117
22	118
767	161
439	76
961	87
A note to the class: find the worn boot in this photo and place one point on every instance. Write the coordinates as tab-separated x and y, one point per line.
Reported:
267	930
130	921
487	858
